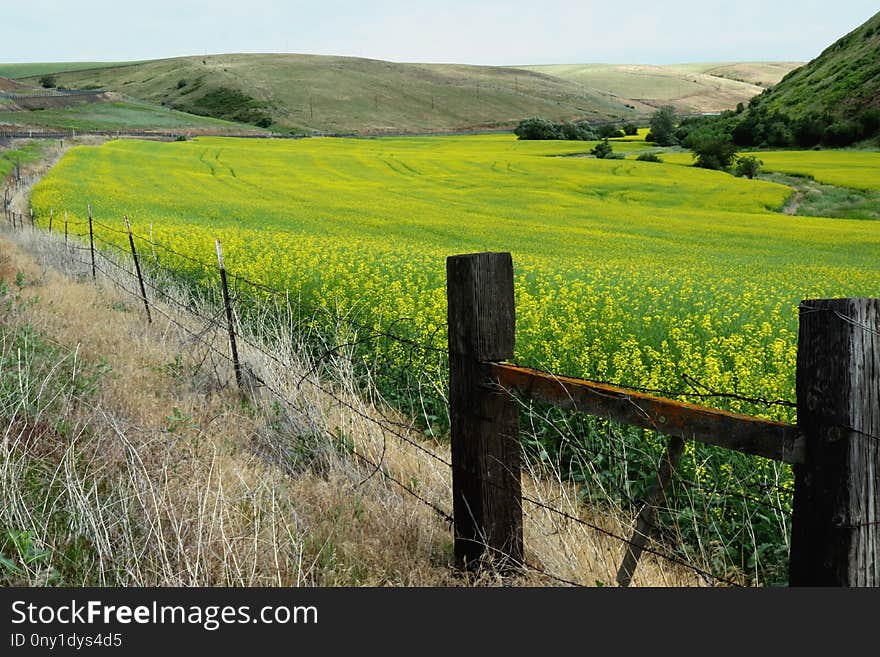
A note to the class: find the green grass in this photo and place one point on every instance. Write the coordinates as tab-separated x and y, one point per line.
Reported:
32	151
15	71
817	200
309	93
116	116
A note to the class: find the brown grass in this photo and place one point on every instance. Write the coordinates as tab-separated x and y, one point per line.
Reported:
172	480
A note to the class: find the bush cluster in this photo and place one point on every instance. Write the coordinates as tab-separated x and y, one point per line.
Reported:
541	128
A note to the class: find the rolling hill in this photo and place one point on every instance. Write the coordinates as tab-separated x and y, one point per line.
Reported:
687	87
308	94
312	93
842	81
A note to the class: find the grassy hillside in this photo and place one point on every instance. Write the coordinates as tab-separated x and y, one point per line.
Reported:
305	93
843	81
707	87
14	71
118	115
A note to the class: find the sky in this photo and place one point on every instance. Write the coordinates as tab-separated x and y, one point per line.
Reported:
455	31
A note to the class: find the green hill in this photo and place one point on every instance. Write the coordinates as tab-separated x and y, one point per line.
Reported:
843	81
311	93
15	71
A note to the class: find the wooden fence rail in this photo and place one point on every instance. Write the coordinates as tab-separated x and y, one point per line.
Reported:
834	449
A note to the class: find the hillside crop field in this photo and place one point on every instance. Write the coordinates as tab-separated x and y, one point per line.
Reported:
631	272
626	271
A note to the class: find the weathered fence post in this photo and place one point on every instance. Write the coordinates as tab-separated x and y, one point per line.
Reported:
92	243
65	228
487	499
51	216
646	518
229	321
137	268
835	534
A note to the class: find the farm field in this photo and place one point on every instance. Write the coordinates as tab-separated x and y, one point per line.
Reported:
853	169
626	271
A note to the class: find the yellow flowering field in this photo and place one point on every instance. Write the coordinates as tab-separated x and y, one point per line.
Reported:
626	271
844	168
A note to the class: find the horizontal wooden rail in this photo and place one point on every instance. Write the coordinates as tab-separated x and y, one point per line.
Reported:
750	435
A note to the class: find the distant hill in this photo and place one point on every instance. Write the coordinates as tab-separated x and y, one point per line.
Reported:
15	71
707	87
311	93
842	81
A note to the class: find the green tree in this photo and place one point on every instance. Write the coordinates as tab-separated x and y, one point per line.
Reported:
602	150
748	166
47	81
712	150
663	126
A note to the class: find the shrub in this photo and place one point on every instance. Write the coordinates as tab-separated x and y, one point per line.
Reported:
630	129
712	150
778	135
649	157
537	128
541	128
602	150
47	81
576	131
181	84
609	132
841	133
748	166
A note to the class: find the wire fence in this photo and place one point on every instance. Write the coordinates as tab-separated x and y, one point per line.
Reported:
610	465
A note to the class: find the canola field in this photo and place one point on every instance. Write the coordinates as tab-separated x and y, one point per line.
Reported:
626	271
843	168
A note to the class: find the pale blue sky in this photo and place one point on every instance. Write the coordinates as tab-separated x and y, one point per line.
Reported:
494	32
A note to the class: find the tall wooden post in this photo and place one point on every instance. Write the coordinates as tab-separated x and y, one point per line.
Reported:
230	324
137	268
92	243
836	518
487	500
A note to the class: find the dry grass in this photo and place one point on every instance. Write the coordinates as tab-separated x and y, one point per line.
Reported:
161	475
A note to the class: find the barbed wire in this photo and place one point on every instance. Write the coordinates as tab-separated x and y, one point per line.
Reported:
377	468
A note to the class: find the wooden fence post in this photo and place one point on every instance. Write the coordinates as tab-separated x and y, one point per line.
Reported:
92	243
137	268
487	499
229	320
835	534
51	216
